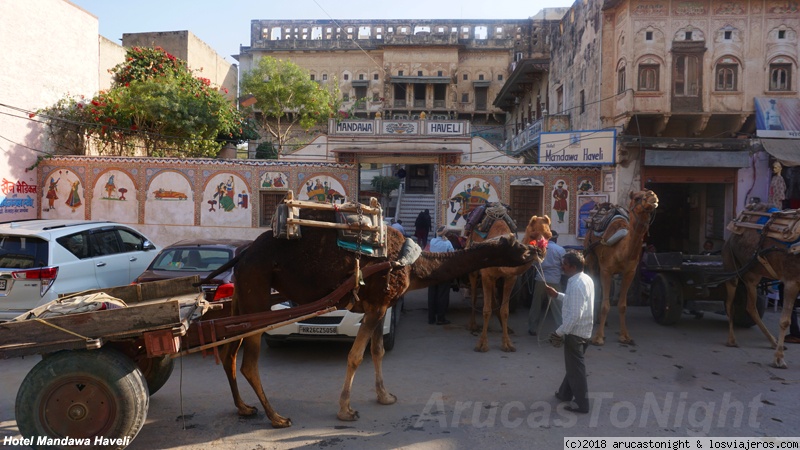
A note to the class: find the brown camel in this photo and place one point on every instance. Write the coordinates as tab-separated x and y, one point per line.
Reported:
313	266
755	255
605	260
537	230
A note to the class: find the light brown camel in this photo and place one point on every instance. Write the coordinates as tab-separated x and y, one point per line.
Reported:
313	266
755	255
604	261
537	230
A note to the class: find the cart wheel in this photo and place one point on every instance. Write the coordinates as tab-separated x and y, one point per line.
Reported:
666	299
156	371
83	394
388	338
740	317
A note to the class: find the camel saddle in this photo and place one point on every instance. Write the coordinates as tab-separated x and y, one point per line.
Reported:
361	228
601	216
483	217
783	226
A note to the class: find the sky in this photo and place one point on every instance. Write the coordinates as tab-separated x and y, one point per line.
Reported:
226	25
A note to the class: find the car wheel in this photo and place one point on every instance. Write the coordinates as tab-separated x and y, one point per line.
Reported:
389	338
273	342
82	394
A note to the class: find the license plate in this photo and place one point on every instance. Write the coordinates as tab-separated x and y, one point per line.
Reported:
3	285
316	329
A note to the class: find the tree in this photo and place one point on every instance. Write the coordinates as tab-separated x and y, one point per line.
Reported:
155	102
287	98
384	185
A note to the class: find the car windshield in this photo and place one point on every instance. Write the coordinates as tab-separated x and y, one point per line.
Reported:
192	259
20	252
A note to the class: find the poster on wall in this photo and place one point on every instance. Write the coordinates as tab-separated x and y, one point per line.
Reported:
559	214
586	204
467	195
322	188
110	199
19	198
226	201
169	199
62	195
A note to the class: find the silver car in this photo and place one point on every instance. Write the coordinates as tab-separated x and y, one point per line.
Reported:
43	259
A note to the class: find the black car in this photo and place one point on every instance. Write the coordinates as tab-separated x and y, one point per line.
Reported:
197	257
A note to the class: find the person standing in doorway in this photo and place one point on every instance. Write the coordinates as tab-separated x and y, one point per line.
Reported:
439	294
422	226
575	331
551	269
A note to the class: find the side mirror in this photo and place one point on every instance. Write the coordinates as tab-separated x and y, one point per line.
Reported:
148	246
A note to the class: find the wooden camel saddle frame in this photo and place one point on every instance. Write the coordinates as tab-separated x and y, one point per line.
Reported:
783	226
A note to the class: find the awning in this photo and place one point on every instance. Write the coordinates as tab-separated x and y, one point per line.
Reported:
701	158
787	151
360	83
481	83
421	80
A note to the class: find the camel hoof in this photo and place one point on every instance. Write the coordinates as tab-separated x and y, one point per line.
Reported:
627	341
281	422
598	341
350	415
779	364
247	411
731	344
388	399
508	348
482	348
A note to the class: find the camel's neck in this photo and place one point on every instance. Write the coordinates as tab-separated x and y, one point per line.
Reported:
637	228
437	268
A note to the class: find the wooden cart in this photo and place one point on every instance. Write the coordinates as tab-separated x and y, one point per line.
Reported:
99	368
683	282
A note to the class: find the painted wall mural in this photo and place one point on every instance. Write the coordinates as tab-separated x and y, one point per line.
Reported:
226	201
62	195
170	199
274	180
321	187
468	194
559	211
109	199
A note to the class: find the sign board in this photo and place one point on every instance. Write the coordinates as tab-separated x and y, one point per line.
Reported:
355	127
446	128
578	148
400	127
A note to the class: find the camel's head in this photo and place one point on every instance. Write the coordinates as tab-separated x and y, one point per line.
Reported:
516	252
537	233
643	201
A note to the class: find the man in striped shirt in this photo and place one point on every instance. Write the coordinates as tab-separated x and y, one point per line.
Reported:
575	331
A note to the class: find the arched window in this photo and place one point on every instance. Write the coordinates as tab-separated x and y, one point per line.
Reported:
686	76
780	77
648	77
621	86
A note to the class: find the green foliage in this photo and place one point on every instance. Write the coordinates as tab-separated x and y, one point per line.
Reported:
155	102
266	150
287	97
385	184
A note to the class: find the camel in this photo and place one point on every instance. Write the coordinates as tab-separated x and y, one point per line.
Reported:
537	231
621	257
755	254
313	266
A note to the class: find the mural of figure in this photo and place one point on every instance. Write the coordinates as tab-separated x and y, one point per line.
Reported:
278	181
110	187
74	199
225	195
560	195
243	199
777	186
52	193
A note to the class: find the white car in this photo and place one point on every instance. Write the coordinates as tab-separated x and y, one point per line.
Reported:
336	325
43	259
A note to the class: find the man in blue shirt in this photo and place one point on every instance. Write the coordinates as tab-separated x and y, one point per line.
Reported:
551	269
439	294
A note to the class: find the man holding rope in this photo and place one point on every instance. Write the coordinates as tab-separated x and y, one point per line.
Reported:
549	274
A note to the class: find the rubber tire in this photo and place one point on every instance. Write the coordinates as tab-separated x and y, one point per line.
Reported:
740	317
666	299
156	371
105	376
389	338
275	342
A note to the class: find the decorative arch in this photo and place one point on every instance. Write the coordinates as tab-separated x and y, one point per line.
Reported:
114	196
63	194
225	200
169	199
648	73
727	70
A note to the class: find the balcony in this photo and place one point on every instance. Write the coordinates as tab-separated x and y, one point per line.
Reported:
528	138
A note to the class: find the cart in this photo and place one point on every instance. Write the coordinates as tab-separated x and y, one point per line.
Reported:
688	283
99	368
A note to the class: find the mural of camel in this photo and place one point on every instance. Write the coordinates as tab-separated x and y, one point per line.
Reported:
760	255
604	261
286	265
537	230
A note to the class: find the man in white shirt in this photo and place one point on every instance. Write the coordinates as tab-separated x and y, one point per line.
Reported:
551	268
575	331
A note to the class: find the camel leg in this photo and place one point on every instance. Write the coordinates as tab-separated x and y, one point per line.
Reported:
790	290
229	352
730	290
354	359
752	295
473	290
252	349
377	350
605	282
622	306
488	293
508	286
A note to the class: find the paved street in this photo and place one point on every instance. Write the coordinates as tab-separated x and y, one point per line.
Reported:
676	382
